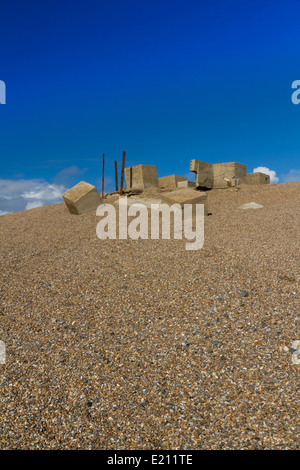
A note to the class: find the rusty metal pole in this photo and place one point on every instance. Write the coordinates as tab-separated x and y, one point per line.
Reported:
116	173
122	174
103	177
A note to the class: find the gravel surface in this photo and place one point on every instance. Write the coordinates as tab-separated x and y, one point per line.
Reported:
140	344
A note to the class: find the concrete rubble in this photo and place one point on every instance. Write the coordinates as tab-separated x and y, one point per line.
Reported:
171	181
222	175
171	189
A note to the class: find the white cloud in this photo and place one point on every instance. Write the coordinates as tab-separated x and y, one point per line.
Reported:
46	192
22	194
291	177
263	169
33	205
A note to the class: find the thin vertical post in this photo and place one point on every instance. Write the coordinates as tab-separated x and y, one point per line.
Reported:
130	177
103	176
122	174
116	174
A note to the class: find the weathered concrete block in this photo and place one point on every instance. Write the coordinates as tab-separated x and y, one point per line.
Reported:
204	173
228	174
141	177
186	184
83	197
256	178
171	181
220	182
223	175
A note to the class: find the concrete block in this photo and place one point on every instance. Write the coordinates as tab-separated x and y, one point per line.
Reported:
220	182
228	174
171	181
82	198
223	175
256	178
186	184
141	177
204	173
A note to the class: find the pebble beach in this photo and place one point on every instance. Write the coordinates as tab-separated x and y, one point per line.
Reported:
143	345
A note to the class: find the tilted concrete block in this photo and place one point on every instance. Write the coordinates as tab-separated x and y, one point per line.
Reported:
171	181
204	173
82	198
141	177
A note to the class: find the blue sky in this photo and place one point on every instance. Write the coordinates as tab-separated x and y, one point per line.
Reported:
166	81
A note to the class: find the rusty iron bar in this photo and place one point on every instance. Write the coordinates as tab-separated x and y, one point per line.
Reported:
103	176
122	174
116	174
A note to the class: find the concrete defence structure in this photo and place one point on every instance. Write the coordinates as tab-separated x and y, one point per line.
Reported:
141	177
171	181
82	198
171	189
223	175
